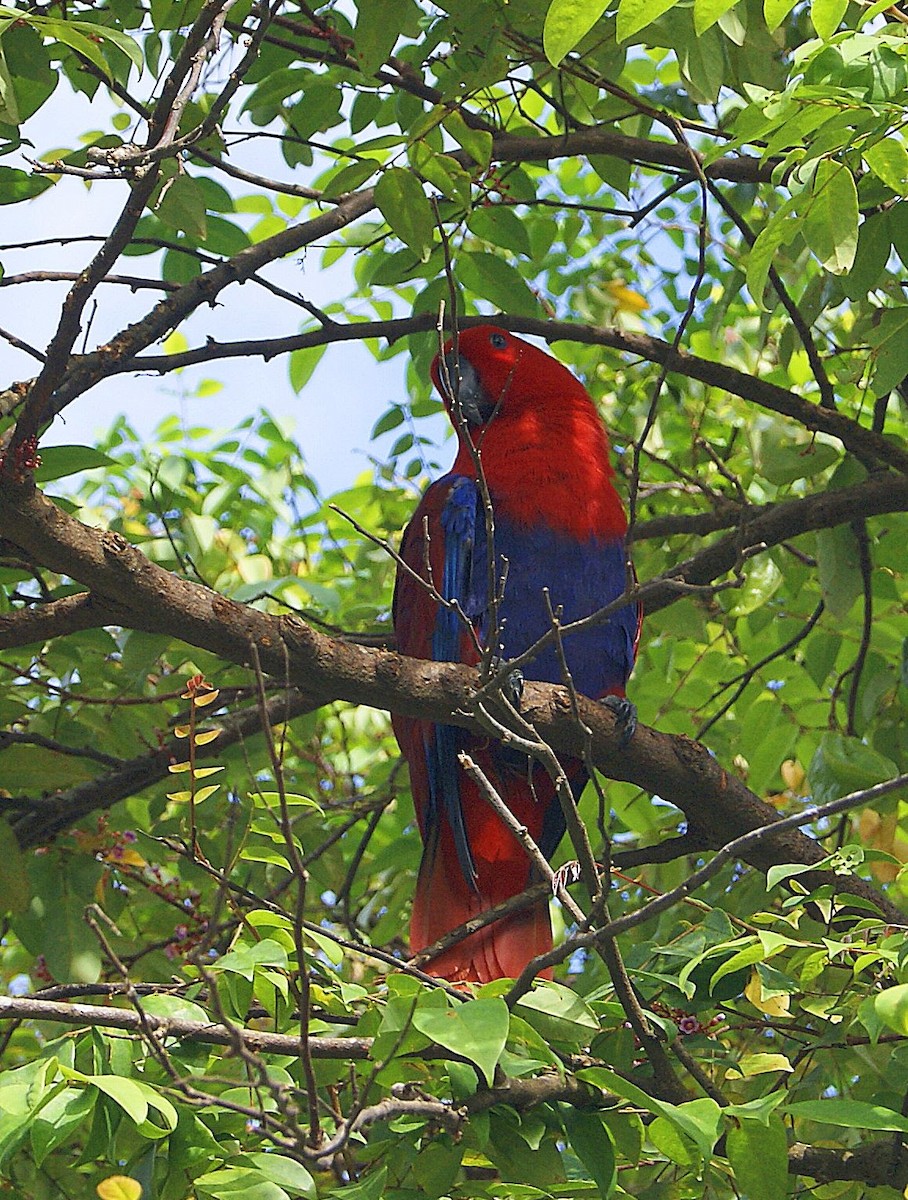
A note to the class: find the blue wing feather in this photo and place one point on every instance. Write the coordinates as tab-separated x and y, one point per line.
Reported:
464	579
581	577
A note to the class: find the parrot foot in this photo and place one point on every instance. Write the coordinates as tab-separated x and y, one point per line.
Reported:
625	716
512	684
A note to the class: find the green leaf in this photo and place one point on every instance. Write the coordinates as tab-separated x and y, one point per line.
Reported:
634	15
223	237
779	872
758	1154
67	34
60	461
478	1030
591	1141
174	1008
244	959
500	225
888	159
476	142
370	1188
889	339
15	889
559	1014
497	281
377	29
707	12
404	206
286	1172
775	12
182	206
845	764
18	185
178	267
443	172
9	106
349	178
567	23
273	799
668	1139
891	1007
826	16
851	1114
838	569
436	1166
697	1119
238	1183
125	1092
830	221
780	230
392	419
129	46
52	924
783	460
763	1064
762	579
303	364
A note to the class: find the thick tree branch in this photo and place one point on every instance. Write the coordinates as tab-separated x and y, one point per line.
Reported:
38	622
720	806
28	1008
583	142
787	519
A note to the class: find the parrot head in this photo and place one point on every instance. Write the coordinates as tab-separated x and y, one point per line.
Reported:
535	427
478	374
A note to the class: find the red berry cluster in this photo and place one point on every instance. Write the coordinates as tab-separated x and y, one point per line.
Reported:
25	459
492	182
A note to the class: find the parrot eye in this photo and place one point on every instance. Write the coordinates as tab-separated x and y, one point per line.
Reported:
498	340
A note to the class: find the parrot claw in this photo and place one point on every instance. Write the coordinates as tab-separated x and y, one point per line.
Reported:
512	683
625	716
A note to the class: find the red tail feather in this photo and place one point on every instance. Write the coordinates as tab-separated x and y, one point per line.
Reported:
499	950
445	900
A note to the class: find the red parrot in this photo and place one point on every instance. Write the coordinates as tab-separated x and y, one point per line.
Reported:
560	525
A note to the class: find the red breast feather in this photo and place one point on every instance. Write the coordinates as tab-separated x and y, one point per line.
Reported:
545	453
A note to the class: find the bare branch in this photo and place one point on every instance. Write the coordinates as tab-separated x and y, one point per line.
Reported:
863	442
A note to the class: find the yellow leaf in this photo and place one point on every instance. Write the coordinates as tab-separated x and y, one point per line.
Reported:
124	856
206	698
202	739
201	772
205	792
793	775
181	731
878	832
626	299
119	1187
772	1006
762	1064
180	797
176	768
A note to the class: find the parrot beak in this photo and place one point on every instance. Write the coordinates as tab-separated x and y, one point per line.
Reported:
474	401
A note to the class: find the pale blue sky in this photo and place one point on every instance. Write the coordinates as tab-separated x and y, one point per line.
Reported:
334	414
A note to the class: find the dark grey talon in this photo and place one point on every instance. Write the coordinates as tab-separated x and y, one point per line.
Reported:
625	715
513	686
512	683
